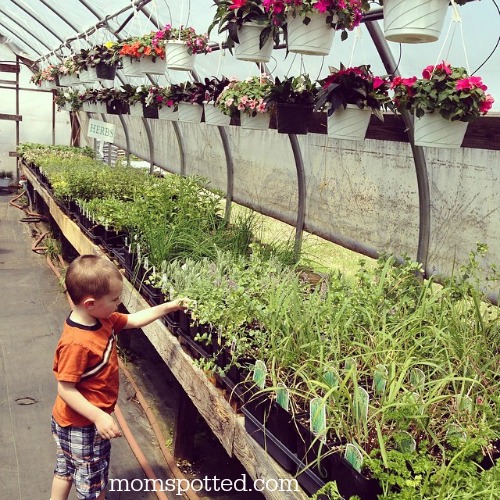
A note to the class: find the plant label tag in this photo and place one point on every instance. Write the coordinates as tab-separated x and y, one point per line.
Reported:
317	417
380	377
283	396
405	442
361	400
331	380
259	374
354	456
417	379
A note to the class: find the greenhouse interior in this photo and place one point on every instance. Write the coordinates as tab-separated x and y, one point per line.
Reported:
158	154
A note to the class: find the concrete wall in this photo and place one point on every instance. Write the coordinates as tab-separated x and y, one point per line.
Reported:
357	192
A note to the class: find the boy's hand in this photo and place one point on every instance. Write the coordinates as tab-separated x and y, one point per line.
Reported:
106	426
183	303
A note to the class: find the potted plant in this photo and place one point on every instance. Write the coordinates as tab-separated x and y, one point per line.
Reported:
6	177
117	101
311	24
446	98
352	96
140	56
213	88
181	46
249	28
292	100
68	72
189	97
104	58
414	21
68	100
137	101
160	98
46	78
247	98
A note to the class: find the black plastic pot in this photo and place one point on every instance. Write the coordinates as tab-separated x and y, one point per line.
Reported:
293	118
149	111
115	107
277	422
105	71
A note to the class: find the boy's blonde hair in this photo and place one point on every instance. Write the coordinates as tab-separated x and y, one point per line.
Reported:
90	276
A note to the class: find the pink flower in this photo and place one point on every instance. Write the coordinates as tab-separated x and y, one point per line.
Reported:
322	5
244	99
487	104
237	4
427	72
229	102
377	82
473	82
241	106
444	66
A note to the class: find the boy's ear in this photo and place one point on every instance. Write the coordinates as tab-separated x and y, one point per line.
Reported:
89	303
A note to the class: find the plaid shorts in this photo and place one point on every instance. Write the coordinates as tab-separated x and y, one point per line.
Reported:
83	458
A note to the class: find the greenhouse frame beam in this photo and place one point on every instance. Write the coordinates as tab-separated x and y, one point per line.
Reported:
418	152
47	28
58	14
19	40
301	188
24	29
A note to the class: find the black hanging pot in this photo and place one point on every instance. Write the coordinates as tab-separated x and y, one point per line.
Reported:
116	107
149	111
105	71
293	118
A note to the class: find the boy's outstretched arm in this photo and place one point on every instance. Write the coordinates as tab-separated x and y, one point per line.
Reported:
146	316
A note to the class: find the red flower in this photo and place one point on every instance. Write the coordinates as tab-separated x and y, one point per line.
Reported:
487	104
237	4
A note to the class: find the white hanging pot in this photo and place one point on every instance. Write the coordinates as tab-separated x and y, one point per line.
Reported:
136	109
434	131
248	48
168	113
87	107
258	122
131	67
100	107
178	57
88	75
350	123
214	116
68	80
189	112
156	67
414	21
313	39
46	85
107	84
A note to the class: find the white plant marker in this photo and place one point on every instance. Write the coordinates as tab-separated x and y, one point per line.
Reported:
259	374
405	442
353	455
380	377
283	396
361	400
317	417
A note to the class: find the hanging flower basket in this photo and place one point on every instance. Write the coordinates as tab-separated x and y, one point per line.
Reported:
434	131
293	118
350	123
178	56
105	71
46	85
131	67
150	112
88	75
68	80
136	109
414	21
214	116
248	48
157	66
313	39
190	112
258	122
168	113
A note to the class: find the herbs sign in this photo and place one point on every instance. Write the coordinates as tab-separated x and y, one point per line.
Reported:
101	130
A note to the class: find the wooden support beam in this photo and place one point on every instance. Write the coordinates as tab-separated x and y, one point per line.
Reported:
9	68
185	425
16	118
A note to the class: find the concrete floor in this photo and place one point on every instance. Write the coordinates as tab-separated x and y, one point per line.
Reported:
33	309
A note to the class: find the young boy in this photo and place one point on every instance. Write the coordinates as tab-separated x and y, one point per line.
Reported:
86	369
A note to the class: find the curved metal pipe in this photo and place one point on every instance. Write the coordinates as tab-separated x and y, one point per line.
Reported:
127	138
151	145
19	40
24	29
301	190
418	152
